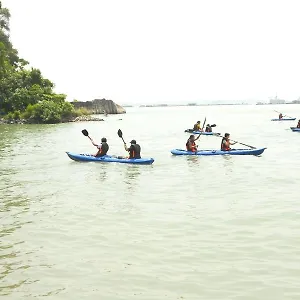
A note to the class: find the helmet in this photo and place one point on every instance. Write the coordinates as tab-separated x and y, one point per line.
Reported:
133	142
103	140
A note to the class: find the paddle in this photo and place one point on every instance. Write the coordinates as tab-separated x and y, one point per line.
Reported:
85	133
283	115
120	134
201	130
237	142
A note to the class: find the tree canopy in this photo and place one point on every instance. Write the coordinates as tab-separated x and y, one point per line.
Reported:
24	92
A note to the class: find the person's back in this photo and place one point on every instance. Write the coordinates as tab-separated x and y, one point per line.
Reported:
134	150
103	148
298	125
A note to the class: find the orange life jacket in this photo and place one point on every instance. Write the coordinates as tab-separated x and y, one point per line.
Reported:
192	148
224	147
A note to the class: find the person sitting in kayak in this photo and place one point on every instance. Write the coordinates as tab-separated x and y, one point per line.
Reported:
298	125
197	126
190	144
102	148
225	144
280	116
134	150
208	128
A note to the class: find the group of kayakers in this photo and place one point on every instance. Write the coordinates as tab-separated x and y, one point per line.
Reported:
225	143
197	127
134	150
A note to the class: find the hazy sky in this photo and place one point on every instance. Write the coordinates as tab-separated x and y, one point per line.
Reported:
162	50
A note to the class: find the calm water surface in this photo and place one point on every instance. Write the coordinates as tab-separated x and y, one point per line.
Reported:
184	228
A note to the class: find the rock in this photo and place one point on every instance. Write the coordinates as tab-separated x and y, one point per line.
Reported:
85	119
100	106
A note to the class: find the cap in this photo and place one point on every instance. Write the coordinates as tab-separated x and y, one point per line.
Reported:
103	140
133	142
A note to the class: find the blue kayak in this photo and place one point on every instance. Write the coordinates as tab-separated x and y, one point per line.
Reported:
220	152
284	119
109	158
295	129
203	132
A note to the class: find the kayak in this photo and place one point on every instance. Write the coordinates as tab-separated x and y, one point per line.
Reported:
109	158
202	132
220	152
295	129
284	119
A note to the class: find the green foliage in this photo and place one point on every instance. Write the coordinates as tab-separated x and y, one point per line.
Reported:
81	112
25	93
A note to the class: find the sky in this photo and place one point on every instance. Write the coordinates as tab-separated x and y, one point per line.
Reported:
162	51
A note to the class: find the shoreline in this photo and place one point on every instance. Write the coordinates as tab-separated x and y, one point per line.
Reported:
77	119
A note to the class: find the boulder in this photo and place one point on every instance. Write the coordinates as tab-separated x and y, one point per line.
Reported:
100	106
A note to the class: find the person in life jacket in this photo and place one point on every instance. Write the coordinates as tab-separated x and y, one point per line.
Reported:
134	150
225	144
102	148
298	125
208	128
197	126
280	116
190	144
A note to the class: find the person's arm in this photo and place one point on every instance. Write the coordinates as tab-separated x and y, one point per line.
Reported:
125	147
93	142
197	137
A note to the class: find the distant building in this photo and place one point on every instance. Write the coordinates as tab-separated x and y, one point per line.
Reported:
276	100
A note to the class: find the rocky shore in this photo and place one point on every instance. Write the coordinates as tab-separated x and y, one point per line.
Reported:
77	119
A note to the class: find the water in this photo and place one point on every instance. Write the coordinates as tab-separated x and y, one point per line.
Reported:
184	228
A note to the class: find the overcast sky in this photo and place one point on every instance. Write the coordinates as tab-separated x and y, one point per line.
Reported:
135	51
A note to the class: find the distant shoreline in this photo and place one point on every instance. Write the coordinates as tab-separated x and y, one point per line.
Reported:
205	104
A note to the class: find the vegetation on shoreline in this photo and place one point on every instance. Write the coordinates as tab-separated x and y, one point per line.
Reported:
24	92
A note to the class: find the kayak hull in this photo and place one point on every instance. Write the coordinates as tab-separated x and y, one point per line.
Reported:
295	129
219	152
284	119
202	133
109	158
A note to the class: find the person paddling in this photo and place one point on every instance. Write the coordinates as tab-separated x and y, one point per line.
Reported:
190	144
280	116
102	148
134	150
208	128
298	125
197	126
225	144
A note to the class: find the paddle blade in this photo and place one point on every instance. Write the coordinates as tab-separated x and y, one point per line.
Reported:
85	132
120	133
213	125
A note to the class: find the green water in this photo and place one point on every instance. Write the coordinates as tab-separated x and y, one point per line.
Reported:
183	228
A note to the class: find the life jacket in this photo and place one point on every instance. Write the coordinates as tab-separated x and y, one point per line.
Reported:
196	127
135	151
224	147
103	150
190	148
280	116
298	125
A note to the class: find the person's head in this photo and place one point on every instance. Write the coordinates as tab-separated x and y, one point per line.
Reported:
103	140
227	135
208	125
298	121
133	142
192	138
198	122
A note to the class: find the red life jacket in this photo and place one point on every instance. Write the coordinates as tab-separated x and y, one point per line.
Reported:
224	147
192	147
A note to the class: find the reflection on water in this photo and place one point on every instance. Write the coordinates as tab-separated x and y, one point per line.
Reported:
131	175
